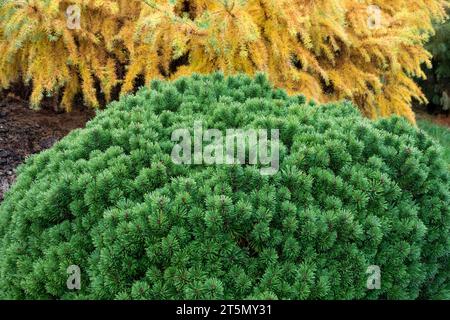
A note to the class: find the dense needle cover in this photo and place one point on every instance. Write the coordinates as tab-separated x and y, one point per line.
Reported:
350	193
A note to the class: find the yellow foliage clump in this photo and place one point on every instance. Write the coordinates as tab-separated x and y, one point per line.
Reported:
365	51
39	44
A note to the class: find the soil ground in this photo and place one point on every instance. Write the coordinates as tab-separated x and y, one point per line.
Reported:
24	131
439	119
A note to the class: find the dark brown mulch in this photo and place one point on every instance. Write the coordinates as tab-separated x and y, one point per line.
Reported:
439	118
24	132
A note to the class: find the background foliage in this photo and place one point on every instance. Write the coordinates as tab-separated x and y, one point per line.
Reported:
438	80
350	193
323	48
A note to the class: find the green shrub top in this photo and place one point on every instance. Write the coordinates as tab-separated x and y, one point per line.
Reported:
350	193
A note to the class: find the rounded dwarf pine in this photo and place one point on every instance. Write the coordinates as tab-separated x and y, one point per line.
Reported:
350	196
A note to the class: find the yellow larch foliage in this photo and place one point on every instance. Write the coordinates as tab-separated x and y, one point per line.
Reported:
365	51
38	44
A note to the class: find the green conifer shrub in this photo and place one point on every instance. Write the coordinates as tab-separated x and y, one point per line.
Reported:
437	84
350	193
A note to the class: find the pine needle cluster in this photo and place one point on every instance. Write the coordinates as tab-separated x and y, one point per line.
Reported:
350	193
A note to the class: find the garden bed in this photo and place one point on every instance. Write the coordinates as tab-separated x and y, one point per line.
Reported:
24	132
